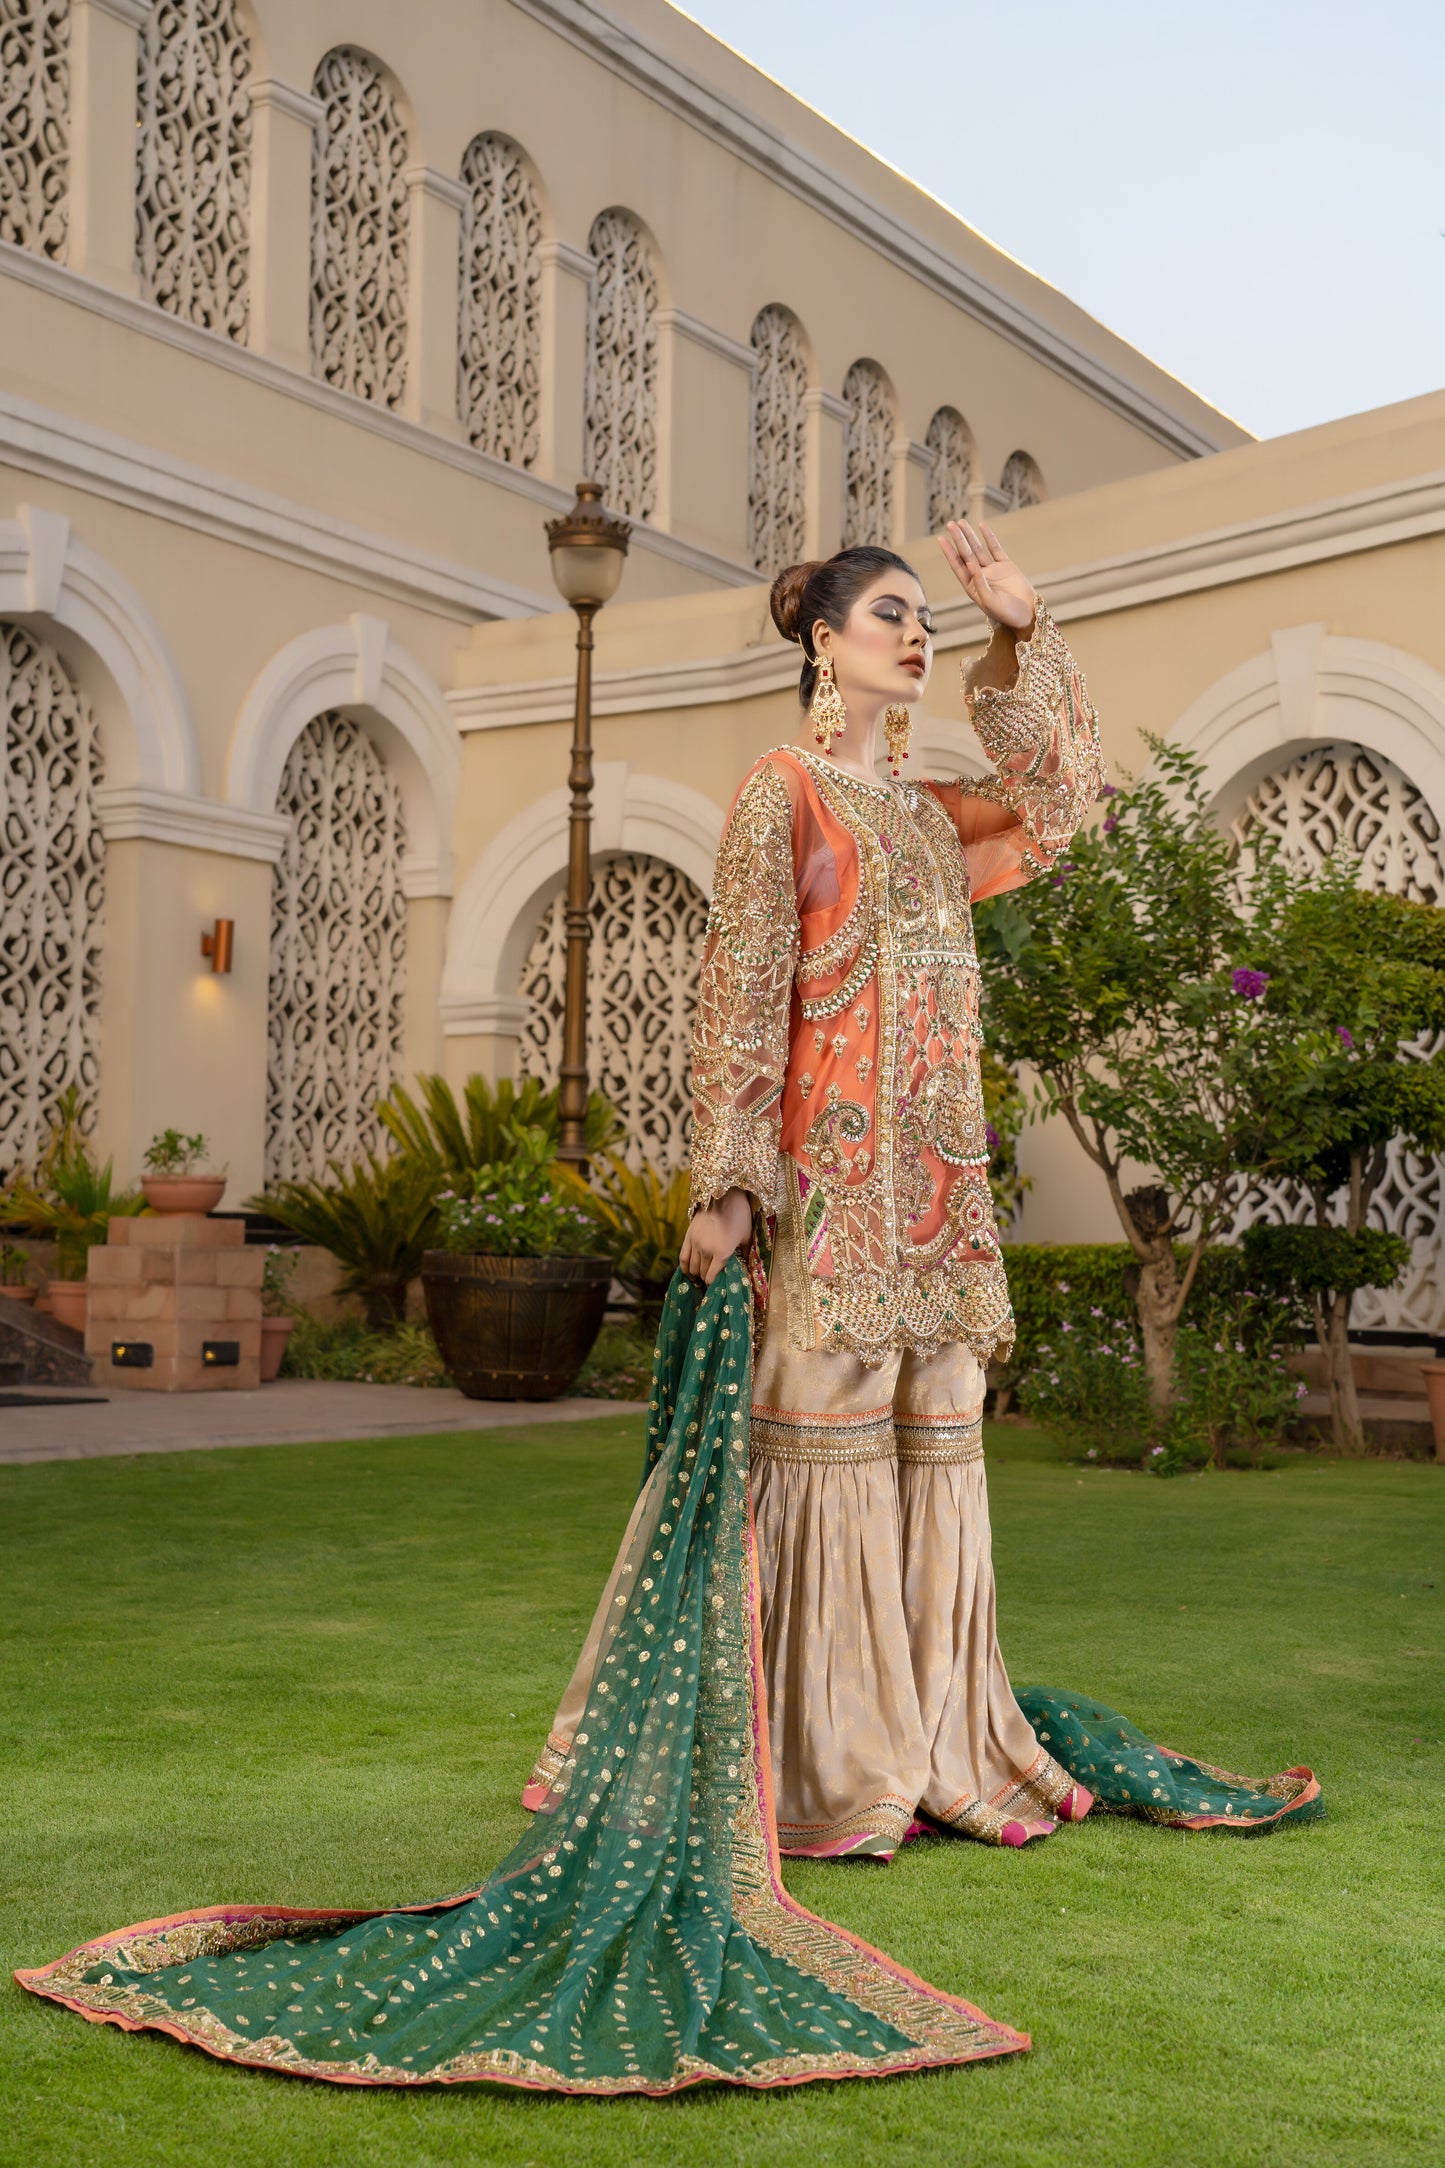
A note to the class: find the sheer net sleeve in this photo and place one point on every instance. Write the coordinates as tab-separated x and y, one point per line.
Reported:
740	1039
1042	734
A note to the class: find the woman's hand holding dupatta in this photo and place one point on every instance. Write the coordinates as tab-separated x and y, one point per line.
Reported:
716	1234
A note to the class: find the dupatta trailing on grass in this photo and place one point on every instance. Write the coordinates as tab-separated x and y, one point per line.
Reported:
638	1938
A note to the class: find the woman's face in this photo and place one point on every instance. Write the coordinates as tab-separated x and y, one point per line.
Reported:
885	650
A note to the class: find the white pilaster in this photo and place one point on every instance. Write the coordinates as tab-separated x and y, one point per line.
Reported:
823	527
284	124
566	284
435	203
104	41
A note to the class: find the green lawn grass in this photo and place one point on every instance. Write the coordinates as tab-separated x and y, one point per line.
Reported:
318	1675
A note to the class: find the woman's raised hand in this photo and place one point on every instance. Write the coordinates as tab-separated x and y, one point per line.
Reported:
715	1234
988	575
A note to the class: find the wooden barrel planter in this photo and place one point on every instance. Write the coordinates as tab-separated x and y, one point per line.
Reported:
514	1328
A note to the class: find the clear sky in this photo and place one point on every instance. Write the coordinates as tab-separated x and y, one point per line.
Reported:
1253	194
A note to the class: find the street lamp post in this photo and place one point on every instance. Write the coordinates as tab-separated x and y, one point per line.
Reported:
587	553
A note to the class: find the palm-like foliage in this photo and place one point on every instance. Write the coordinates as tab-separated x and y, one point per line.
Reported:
456	1139
69	1195
646	1219
376	1217
74	1200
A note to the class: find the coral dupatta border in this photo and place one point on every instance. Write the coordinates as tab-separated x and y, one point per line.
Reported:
1307	1792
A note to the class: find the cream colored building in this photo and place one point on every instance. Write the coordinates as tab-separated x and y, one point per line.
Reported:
312	314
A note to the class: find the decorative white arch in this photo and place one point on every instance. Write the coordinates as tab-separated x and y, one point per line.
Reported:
498	906
46	574
1311	687
358	668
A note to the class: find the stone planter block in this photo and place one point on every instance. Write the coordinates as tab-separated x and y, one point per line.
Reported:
176	1281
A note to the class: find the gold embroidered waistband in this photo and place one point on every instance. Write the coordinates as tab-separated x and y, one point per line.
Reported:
940	1440
799	1434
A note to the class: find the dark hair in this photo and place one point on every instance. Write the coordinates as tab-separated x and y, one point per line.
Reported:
827	587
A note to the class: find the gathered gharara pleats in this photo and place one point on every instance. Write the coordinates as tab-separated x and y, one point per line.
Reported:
638	1938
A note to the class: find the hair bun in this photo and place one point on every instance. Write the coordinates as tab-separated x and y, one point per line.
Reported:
786	599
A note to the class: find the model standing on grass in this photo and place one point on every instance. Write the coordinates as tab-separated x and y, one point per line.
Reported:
838	1108
797	1639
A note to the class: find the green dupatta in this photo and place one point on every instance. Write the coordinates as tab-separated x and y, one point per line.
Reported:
638	1938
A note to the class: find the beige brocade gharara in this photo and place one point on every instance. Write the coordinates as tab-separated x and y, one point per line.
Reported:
886	1689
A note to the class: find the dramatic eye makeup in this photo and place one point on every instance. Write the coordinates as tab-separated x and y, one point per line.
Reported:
892	609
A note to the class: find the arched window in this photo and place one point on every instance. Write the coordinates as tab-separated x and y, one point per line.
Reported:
338	951
1021	482
52	892
648	922
359	230
621	395
777	441
35	125
1343	797
193	163
950	467
868	436
500	335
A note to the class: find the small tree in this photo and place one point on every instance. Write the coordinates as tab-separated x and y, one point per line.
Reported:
1118	979
1359	977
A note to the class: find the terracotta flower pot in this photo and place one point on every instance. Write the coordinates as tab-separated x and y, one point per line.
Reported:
20	1294
275	1332
68	1300
183	1192
514	1328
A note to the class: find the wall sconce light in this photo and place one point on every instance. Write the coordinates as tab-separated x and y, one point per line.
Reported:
217	943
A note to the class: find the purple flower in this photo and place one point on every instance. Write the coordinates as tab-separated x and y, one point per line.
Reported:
1108	790
1094	1310
994	1139
1345	1038
1249	985
1110	825
1093	1453
1155	1452
1063	1287
1066	1326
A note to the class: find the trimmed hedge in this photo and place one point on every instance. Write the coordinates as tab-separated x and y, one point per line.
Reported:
1053	1280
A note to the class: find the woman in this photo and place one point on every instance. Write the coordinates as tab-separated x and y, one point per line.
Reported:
639	1937
836	1080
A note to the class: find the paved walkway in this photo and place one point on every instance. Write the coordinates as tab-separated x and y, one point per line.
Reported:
294	1411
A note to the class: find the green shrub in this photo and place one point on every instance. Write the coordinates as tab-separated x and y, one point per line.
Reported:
643	1220
520	1205
1308	1261
349	1350
1049	1281
377	1218
456	1139
619	1366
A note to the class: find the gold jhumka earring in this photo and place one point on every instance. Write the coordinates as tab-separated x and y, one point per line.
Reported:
897	729
826	711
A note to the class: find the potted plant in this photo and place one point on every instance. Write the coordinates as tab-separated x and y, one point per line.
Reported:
277	1314
515	1299
176	1177
73	1199
14	1267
